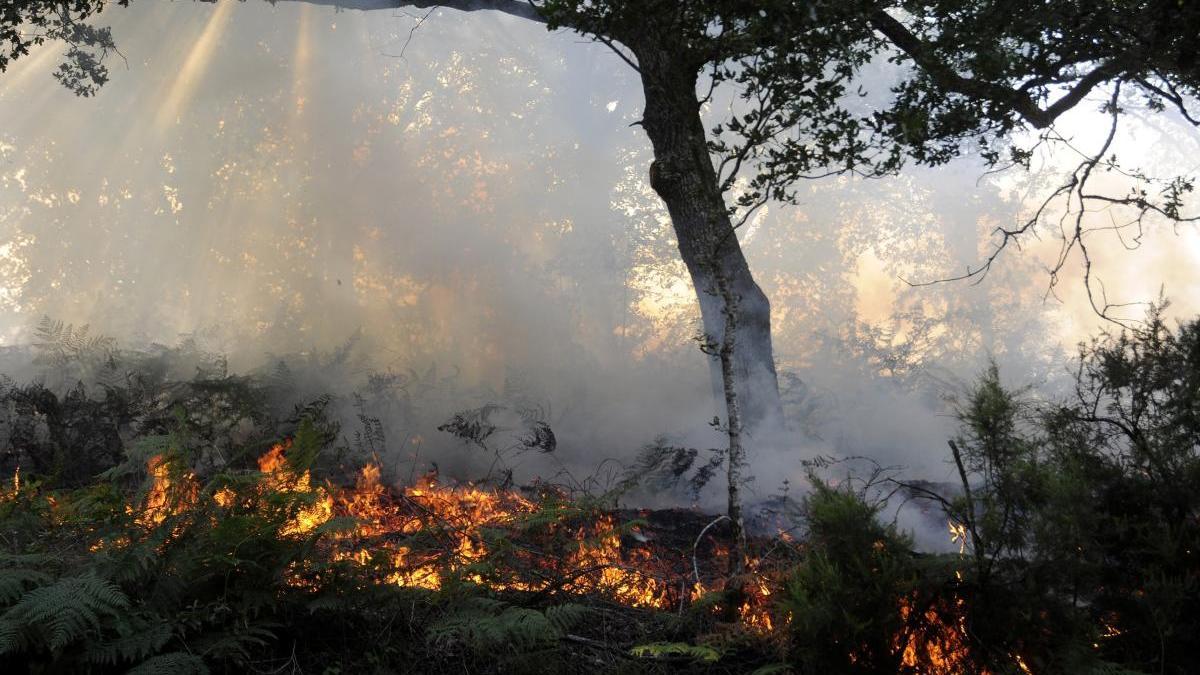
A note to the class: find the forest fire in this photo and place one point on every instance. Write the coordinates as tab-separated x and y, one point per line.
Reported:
432	535
169	494
934	642
430	532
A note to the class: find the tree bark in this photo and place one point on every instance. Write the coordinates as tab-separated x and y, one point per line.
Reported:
682	174
739	557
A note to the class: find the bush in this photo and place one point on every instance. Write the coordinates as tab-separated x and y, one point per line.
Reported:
844	599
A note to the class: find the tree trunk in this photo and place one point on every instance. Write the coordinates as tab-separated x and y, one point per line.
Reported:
682	174
737	455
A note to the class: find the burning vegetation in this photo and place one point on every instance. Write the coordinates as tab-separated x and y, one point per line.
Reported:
1073	549
273	530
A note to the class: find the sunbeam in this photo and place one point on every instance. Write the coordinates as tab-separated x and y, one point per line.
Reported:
193	67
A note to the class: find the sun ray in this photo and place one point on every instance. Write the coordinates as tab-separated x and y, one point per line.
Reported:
302	60
33	64
194	66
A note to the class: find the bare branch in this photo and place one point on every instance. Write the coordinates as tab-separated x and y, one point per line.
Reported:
517	8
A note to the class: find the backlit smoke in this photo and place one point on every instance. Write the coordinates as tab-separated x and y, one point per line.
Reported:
462	200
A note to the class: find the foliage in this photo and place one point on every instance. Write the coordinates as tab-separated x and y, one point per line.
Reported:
487	627
161	593
701	653
1079	517
26	24
59	344
974	71
660	465
844	596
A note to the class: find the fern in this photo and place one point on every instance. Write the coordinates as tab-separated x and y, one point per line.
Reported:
172	663
661	466
566	617
127	564
59	343
658	650
52	617
234	645
1106	668
136	457
139	639
19	573
488	626
773	669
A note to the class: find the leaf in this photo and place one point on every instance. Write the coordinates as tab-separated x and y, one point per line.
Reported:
657	650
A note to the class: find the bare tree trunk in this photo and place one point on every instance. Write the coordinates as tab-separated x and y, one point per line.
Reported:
682	174
736	313
733	427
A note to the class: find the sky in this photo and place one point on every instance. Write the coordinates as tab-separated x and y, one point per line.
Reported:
465	197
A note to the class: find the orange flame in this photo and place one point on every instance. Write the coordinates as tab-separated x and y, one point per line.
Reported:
279	477
168	495
426	535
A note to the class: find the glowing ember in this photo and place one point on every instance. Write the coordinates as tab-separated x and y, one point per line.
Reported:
958	534
933	641
5	494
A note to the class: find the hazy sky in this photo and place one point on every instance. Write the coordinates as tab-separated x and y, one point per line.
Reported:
472	194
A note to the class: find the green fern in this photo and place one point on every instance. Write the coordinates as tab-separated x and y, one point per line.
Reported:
129	564
234	645
658	650
566	617
773	669
139	639
486	626
136	457
20	573
51	617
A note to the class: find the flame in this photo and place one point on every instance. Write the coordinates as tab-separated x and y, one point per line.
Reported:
1109	624
9	495
755	609
594	562
432	534
933	641
168	495
958	534
279	477
429	534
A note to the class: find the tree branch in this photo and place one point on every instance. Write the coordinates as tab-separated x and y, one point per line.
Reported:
1017	100
516	8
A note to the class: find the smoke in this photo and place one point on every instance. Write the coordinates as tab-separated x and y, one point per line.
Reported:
460	202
